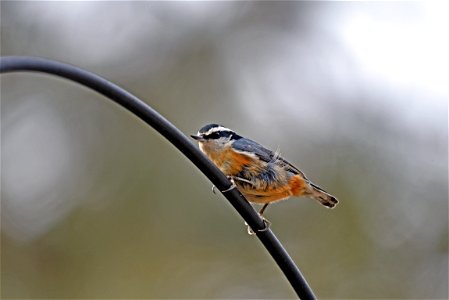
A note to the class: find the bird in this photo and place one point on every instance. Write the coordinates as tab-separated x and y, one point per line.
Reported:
262	176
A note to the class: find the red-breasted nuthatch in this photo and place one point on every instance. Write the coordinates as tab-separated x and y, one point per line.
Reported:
261	175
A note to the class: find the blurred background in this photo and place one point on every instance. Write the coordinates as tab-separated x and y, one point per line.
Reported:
95	204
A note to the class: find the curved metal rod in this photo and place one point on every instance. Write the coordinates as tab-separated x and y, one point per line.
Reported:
180	141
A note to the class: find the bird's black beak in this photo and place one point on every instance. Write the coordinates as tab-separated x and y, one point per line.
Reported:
197	137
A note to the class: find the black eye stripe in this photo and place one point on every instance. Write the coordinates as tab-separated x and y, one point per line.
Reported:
216	135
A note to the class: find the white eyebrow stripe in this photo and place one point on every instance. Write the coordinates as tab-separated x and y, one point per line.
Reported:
215	129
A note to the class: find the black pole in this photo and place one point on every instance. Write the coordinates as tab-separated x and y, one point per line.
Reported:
180	141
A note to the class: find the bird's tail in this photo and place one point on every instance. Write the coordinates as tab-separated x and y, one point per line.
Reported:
326	199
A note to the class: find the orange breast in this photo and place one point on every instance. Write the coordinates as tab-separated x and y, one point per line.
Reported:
231	162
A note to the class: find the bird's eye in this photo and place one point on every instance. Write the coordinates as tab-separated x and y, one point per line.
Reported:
213	135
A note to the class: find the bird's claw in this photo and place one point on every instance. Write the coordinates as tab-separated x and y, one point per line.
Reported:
233	186
267	226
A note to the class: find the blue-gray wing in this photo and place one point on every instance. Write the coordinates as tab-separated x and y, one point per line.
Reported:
247	145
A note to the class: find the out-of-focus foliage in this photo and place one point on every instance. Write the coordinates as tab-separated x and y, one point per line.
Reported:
97	205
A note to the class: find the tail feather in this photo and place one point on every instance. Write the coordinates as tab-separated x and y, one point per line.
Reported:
322	196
